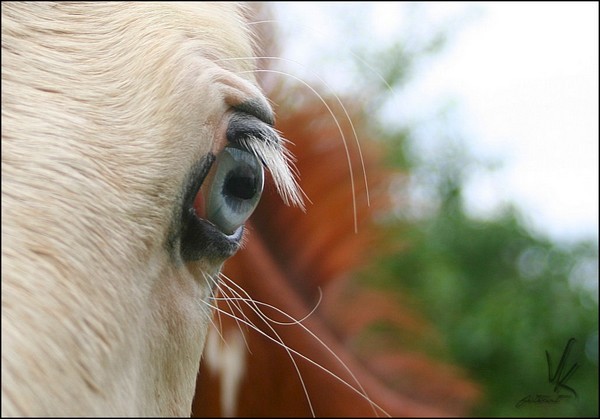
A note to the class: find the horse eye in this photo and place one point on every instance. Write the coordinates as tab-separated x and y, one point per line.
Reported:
235	189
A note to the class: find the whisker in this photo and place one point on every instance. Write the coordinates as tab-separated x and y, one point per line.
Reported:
218	329
288	349
262	313
230	301
257	22
360	389
312	28
252	303
377	73
279	340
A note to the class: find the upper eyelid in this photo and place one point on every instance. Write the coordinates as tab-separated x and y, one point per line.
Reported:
243	126
257	108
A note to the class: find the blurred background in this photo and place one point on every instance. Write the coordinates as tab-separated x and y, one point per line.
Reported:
517	83
483	118
494	108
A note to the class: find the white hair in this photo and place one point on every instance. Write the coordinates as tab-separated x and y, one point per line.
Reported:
106	107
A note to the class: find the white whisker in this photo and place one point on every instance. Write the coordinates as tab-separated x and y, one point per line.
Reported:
218	329
253	304
253	301
312	28
378	74
257	22
229	302
288	349
279	340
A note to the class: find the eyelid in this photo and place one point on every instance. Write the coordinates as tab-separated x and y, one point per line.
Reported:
257	108
238	127
242	126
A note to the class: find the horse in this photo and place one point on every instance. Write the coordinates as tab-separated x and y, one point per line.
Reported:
134	144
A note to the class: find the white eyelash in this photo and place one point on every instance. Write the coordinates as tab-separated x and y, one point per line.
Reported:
280	162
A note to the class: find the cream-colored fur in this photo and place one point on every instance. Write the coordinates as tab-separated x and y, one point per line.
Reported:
105	107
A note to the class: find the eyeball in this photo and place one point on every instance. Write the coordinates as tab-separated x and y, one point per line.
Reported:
235	190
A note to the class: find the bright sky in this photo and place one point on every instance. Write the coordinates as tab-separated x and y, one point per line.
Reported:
524	77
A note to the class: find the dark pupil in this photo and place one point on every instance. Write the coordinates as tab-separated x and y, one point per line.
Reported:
240	184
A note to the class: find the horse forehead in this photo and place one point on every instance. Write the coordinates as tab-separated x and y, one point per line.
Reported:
219	27
131	57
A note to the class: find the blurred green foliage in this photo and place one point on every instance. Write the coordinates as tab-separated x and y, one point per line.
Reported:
501	297
500	294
